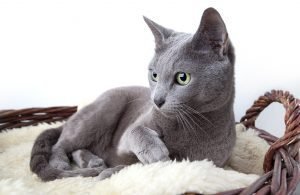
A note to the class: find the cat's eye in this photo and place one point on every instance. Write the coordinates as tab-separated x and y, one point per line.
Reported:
154	76
183	78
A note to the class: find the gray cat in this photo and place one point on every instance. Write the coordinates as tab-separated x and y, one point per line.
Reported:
186	113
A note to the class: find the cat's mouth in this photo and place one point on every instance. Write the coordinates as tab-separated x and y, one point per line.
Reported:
166	110
175	110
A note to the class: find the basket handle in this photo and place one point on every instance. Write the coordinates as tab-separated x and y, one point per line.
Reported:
291	120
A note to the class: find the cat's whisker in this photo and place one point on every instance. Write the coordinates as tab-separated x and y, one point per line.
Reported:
199	114
184	124
193	122
187	121
180	121
191	127
191	117
191	114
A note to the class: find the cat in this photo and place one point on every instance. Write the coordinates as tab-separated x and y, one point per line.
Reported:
187	113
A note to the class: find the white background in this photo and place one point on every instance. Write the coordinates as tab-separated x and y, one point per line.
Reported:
58	52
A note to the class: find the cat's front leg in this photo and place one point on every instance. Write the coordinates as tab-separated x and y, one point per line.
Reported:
146	144
59	159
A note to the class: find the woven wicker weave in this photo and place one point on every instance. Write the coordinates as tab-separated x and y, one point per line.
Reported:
32	116
282	161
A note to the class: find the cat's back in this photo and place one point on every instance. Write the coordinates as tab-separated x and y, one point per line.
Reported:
135	101
129	101
110	106
129	93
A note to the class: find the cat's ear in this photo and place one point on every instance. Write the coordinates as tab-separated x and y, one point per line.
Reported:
160	33
211	34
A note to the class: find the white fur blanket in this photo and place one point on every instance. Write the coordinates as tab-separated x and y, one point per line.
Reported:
158	178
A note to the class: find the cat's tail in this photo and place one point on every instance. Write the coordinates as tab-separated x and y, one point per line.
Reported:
41	153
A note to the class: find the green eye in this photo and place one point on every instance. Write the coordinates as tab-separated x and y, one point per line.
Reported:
154	76
183	78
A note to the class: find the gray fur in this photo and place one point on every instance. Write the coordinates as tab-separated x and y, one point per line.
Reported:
166	121
85	159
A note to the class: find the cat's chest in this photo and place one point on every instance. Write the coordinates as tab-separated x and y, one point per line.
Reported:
181	138
198	144
183	143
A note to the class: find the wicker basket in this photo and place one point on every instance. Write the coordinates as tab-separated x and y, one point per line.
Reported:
282	161
32	116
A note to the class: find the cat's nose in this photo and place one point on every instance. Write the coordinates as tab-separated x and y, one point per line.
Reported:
159	102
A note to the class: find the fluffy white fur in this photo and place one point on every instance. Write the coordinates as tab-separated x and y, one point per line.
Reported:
158	178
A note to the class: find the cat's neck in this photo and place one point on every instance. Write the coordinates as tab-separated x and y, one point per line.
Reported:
216	119
161	121
222	115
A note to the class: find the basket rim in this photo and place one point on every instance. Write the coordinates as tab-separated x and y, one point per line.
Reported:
16	118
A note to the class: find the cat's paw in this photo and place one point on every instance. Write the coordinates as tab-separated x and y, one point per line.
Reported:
96	163
109	172
154	151
61	165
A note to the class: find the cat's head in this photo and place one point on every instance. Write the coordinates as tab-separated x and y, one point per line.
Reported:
194	70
